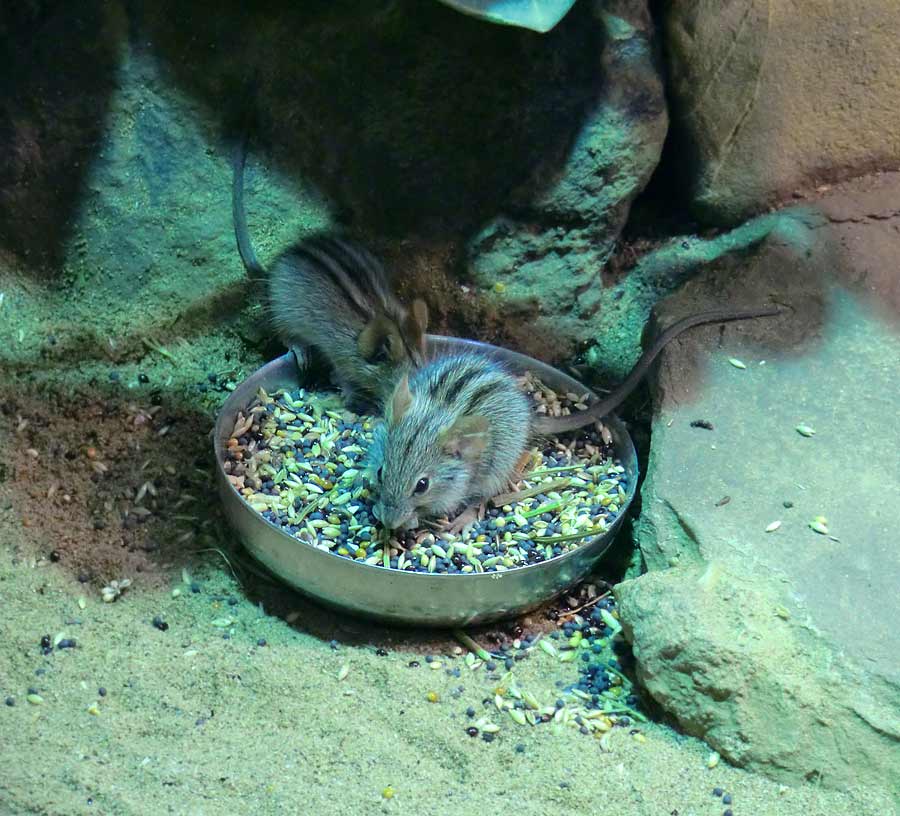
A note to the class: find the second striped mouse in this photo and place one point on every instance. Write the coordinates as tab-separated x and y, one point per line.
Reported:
328	293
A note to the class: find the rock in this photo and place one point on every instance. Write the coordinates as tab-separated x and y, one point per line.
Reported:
119	205
779	648
774	95
543	256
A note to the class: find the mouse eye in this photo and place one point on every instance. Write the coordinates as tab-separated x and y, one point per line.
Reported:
421	486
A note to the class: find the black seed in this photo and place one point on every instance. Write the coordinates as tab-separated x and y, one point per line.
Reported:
66	643
726	799
472	731
10	701
55	556
261	642
487	737
717	791
470	712
381	652
160	624
101	691
45	642
413	664
143	378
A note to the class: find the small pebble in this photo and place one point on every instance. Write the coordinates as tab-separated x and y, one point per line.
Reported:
261	642
10	701
101	691
726	799
718	792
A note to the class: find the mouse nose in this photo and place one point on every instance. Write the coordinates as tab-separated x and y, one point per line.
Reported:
388	515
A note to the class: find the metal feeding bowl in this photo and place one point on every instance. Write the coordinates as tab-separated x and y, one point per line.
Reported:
412	598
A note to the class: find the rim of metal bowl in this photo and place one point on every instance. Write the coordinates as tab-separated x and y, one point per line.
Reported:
282	373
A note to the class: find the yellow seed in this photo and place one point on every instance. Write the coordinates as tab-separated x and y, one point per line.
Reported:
499	287
93	709
432	697
388	792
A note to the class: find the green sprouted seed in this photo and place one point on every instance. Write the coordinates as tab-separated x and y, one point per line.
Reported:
471	645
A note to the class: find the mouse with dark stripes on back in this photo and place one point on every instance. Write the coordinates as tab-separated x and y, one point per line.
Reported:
329	293
455	429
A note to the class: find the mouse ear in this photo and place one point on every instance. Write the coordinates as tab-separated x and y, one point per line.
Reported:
466	438
415	324
373	339
401	400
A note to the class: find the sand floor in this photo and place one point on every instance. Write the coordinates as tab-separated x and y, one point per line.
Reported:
202	719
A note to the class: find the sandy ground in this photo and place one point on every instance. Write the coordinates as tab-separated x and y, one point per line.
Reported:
205	719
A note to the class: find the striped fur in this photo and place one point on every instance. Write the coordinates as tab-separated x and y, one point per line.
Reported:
331	294
463	430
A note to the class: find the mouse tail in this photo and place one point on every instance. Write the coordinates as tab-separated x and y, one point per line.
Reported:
545	425
241	233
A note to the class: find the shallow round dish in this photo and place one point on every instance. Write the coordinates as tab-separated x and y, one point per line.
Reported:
411	598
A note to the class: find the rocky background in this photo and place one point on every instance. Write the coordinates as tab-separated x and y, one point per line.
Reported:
546	192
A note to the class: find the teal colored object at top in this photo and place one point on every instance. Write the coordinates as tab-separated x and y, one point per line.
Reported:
537	15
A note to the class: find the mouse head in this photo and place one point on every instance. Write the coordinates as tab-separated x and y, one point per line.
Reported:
422	459
388	341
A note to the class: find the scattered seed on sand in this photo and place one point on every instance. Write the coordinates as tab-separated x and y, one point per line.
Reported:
805	430
343	672
819	525
737	363
35	699
773	526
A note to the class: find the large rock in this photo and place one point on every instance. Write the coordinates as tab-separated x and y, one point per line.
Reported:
780	647
774	95
407	121
546	251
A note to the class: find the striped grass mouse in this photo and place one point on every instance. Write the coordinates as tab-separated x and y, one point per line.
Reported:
329	293
454	430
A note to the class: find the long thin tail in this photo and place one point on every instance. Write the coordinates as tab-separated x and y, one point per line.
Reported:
556	425
245	248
